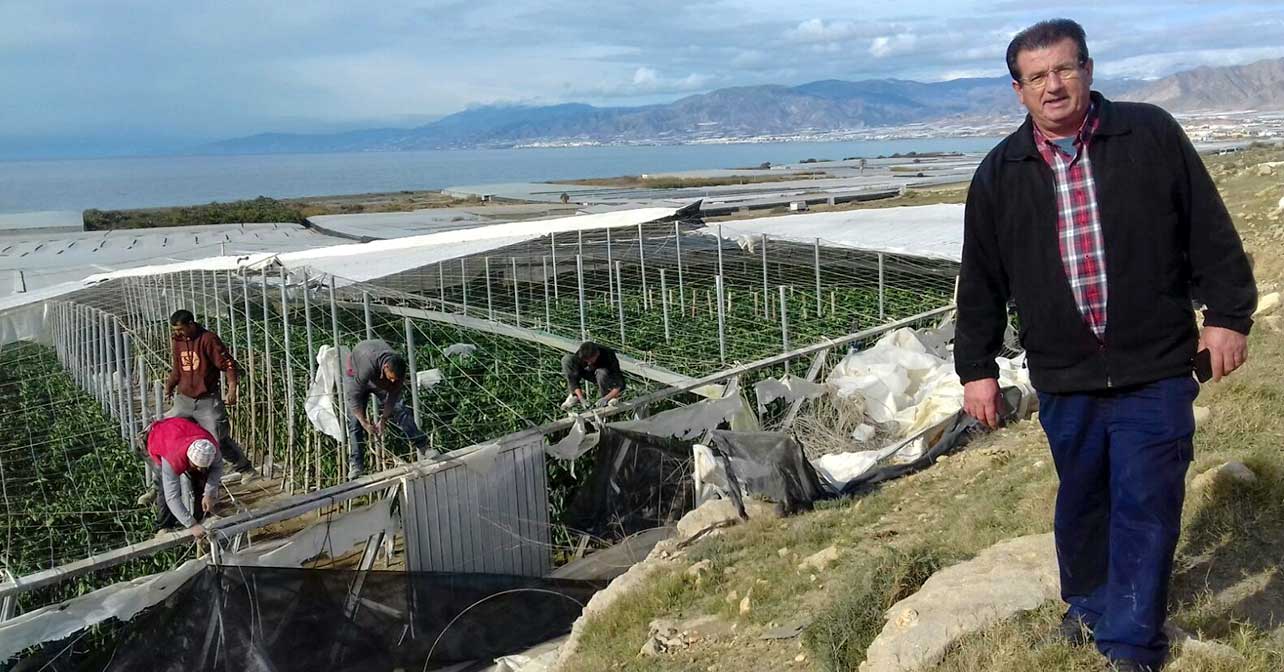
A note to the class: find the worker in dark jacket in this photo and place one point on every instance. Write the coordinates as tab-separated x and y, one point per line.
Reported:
1101	222
595	363
188	465
198	357
375	369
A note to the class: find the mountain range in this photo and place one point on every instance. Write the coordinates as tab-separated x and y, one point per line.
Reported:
807	110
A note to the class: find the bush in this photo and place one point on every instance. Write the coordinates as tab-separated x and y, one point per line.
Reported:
259	210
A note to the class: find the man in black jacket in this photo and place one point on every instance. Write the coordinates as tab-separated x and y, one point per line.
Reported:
1101	222
595	363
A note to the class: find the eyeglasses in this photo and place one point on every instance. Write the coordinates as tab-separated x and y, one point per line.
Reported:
1064	72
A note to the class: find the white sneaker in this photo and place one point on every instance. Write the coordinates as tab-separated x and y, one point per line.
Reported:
569	403
248	477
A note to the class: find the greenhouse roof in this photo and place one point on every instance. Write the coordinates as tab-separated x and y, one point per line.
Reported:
932	231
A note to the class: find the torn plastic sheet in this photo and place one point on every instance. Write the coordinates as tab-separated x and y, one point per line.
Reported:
427	379
481	460
574	444
122	601
790	388
694	420
333	536
320	404
907	379
125	600
459	350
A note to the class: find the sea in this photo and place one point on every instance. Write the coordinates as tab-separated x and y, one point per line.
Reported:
145	182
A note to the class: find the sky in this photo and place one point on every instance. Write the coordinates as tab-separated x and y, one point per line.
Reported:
131	76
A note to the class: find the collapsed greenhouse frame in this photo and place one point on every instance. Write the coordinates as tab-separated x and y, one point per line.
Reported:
620	273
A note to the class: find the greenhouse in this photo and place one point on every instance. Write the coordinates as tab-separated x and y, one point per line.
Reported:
792	313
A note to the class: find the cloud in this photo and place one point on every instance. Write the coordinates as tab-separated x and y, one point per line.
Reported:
892	45
817	30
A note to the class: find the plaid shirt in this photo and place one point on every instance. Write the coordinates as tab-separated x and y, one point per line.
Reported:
1083	252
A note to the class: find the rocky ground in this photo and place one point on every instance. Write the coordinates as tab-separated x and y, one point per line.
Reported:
812	592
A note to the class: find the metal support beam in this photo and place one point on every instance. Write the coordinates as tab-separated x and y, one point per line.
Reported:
722	320
413	363
579	274
619	296
664	303
816	263
784	321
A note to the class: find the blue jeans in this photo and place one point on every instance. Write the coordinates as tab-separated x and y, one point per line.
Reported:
1122	457
401	416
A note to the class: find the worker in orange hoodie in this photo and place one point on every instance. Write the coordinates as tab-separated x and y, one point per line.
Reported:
198	357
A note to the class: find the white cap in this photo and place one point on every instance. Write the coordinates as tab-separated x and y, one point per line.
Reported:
202	453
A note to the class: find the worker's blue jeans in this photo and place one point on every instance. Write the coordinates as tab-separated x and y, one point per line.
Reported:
401	416
1122	457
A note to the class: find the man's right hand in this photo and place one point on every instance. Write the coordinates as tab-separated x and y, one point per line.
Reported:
982	401
197	531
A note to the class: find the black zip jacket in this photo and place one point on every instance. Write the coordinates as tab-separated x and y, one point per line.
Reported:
1167	238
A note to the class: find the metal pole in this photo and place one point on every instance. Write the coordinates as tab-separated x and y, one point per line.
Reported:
142	393
766	289
412	362
677	241
646	302
290	466
722	320
118	361
267	378
249	354
664	303
881	286
619	295
441	284
579	273
548	309
104	395
365	307
517	304
610	266
552	247
816	263
231	315
338	374
307	320
158	390
129	390
463	279
784	321
719	250
490	304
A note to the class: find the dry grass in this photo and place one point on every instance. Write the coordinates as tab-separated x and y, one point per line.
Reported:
1227	585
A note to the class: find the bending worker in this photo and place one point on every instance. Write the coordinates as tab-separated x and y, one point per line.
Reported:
187	462
198	357
375	369
597	363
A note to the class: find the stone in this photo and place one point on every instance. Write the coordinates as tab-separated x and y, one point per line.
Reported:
746	604
704	627
1265	170
820	560
784	552
733	597
1202	415
1227	472
1038	464
800	658
1012	576
1267	304
1210	651
699	568
720	512
788	630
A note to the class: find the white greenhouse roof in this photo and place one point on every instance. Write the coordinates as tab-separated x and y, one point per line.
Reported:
52	258
931	231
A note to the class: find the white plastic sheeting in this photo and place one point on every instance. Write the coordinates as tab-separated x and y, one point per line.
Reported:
907	380
790	388
320	405
367	261
932	231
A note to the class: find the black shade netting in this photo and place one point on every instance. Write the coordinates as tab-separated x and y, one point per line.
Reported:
770	465
639	482
253	619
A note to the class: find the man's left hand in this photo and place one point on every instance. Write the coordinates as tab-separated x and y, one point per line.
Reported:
207	504
229	400
1227	349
